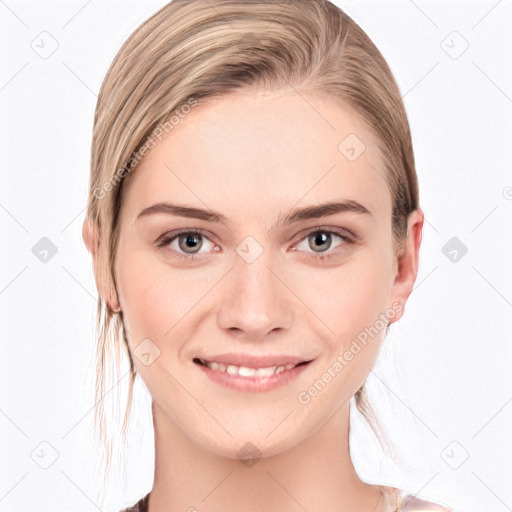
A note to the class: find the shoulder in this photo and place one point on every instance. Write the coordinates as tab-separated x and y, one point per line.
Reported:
396	500
412	502
140	506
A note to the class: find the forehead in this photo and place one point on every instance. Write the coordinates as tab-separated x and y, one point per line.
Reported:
250	155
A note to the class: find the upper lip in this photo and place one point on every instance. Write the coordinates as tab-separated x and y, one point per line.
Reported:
253	361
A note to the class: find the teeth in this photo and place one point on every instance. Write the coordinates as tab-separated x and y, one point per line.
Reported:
265	372
243	371
231	370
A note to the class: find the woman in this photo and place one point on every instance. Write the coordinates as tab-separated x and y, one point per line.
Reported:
255	227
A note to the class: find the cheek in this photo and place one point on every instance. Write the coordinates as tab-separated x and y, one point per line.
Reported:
156	298
351	303
144	297
347	298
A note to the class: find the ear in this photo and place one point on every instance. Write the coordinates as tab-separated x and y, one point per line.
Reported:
91	238
407	263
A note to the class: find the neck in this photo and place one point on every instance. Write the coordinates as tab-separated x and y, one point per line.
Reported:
317	474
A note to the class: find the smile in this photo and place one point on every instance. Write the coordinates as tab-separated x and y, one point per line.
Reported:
249	379
244	371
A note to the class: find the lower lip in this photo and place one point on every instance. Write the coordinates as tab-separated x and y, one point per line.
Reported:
254	384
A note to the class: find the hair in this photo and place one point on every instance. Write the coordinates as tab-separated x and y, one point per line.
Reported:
193	50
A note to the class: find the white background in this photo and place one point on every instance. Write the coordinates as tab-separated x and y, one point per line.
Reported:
442	388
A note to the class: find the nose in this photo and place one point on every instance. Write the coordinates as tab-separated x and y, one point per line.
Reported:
255	300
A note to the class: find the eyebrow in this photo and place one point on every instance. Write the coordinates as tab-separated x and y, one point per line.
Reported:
291	217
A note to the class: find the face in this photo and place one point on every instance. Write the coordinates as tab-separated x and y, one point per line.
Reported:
251	279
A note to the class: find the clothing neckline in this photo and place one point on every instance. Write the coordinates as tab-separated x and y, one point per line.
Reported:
390	500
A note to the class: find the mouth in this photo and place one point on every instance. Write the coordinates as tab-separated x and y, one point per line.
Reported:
255	375
248	371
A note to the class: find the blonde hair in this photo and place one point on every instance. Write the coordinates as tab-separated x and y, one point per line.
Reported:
192	50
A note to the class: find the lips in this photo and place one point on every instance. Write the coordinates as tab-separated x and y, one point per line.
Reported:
252	374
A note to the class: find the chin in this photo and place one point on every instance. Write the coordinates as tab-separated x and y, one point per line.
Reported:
248	450
247	447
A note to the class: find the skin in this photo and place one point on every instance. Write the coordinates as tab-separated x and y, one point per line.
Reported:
253	158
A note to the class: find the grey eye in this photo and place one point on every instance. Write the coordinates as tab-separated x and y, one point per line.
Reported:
321	239
189	241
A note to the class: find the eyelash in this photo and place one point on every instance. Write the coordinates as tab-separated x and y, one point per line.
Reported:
166	239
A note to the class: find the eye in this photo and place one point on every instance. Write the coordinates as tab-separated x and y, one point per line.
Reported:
320	241
186	244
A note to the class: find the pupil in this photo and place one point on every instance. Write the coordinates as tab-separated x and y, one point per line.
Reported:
321	238
190	240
